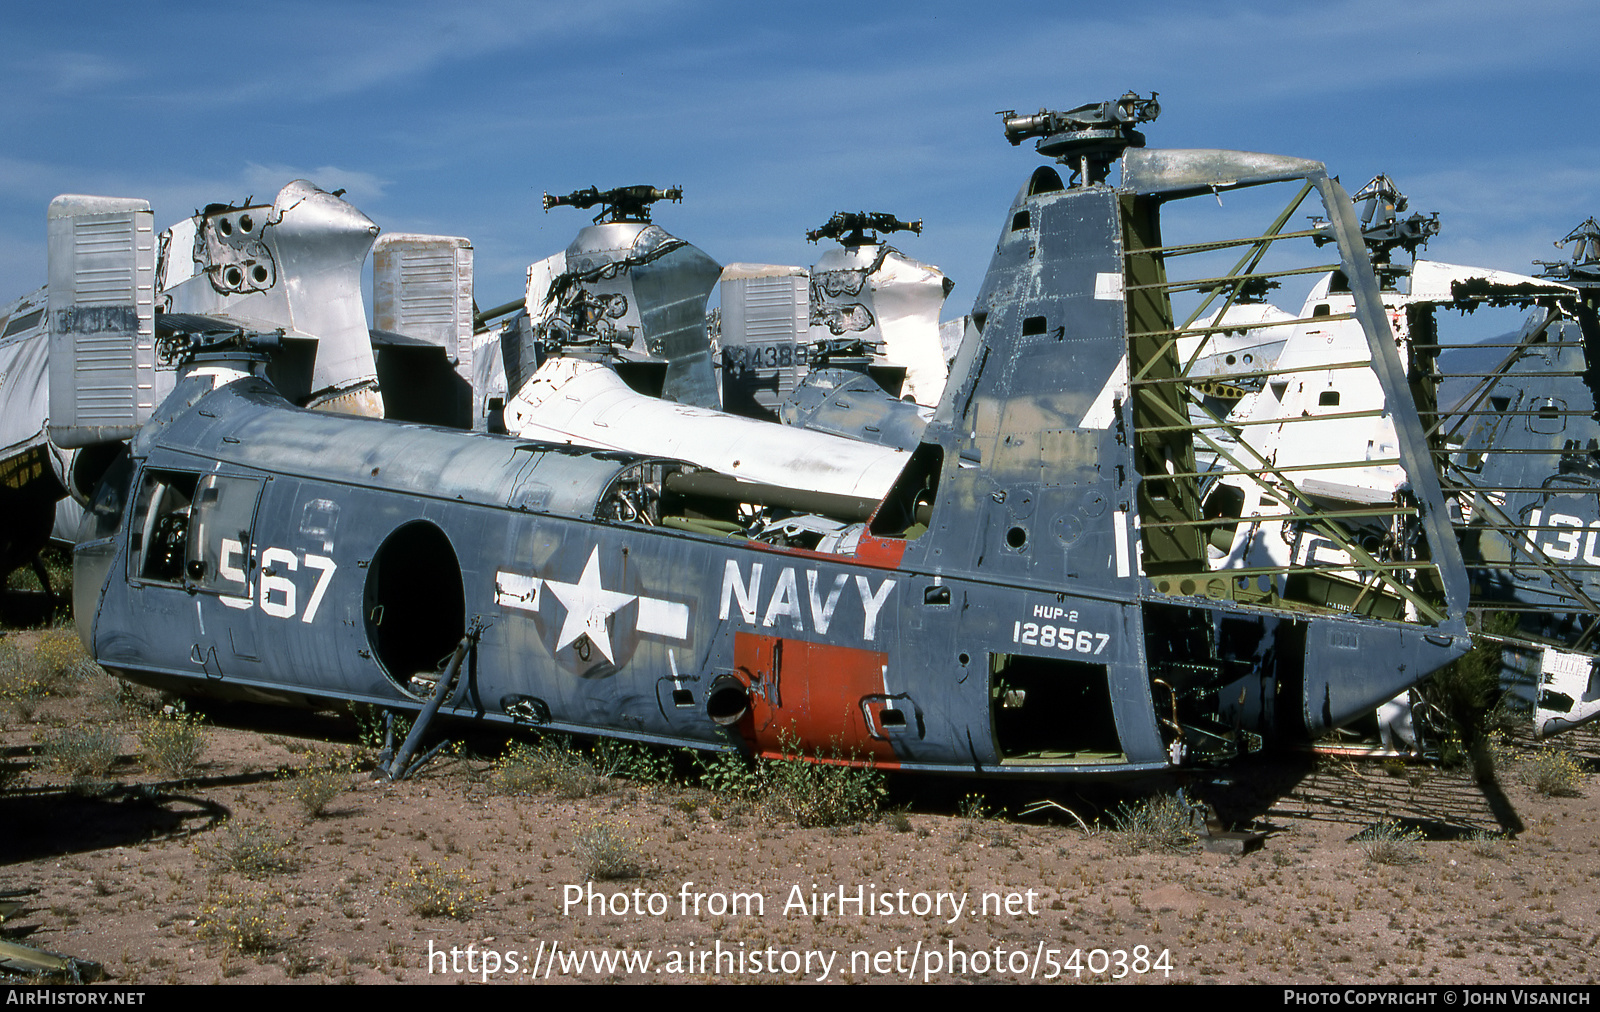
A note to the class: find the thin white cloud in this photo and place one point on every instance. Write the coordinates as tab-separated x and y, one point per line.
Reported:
72	72
454	120
264	181
26	188
317	52
1504	212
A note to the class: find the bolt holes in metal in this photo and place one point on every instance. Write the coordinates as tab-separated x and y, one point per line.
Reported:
1016	539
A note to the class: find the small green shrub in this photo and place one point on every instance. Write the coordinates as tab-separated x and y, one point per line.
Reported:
631	760
606	850
816	794
1554	772
172	743
315	787
1465	690
728	773
370	722
58	568
1486	844
1388	842
1153	824
431	890
548	767
83	753
812	791
251	851
247	921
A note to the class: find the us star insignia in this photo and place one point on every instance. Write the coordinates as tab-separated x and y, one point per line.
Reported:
588	606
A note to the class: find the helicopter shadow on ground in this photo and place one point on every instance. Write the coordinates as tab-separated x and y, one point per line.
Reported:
1273	791
62	820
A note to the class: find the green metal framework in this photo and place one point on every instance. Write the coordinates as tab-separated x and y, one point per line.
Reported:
1172	421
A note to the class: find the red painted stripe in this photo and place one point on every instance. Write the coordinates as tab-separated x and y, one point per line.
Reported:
810	696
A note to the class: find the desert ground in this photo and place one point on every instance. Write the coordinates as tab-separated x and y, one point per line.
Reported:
253	845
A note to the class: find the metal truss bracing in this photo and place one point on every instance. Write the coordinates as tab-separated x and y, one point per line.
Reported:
1517	453
1321	530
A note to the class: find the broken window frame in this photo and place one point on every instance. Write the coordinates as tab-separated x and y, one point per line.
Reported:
208	505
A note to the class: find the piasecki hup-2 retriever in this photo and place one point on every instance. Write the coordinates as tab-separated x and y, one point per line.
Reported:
1031	597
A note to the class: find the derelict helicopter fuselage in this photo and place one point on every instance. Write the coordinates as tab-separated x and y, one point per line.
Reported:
990	615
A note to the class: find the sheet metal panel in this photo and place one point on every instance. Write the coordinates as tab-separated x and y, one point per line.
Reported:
24	379
103	381
765	314
422	287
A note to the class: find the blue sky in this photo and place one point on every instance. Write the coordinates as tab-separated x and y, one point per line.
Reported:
454	119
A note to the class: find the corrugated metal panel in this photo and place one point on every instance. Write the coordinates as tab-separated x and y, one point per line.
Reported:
102	318
775	308
768	317
764	309
422	287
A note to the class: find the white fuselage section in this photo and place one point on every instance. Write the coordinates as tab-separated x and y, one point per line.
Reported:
585	403
1338	462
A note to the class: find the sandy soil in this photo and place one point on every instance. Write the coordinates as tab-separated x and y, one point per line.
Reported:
136	878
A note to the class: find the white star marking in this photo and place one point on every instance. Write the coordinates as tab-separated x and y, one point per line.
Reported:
588	606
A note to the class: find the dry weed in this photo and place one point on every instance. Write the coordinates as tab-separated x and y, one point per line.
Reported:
1388	842
431	890
607	850
247	921
1160	823
1554	772
314	787
83	753
252	851
550	766
172	743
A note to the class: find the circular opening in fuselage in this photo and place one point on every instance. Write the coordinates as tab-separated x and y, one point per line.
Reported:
414	604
